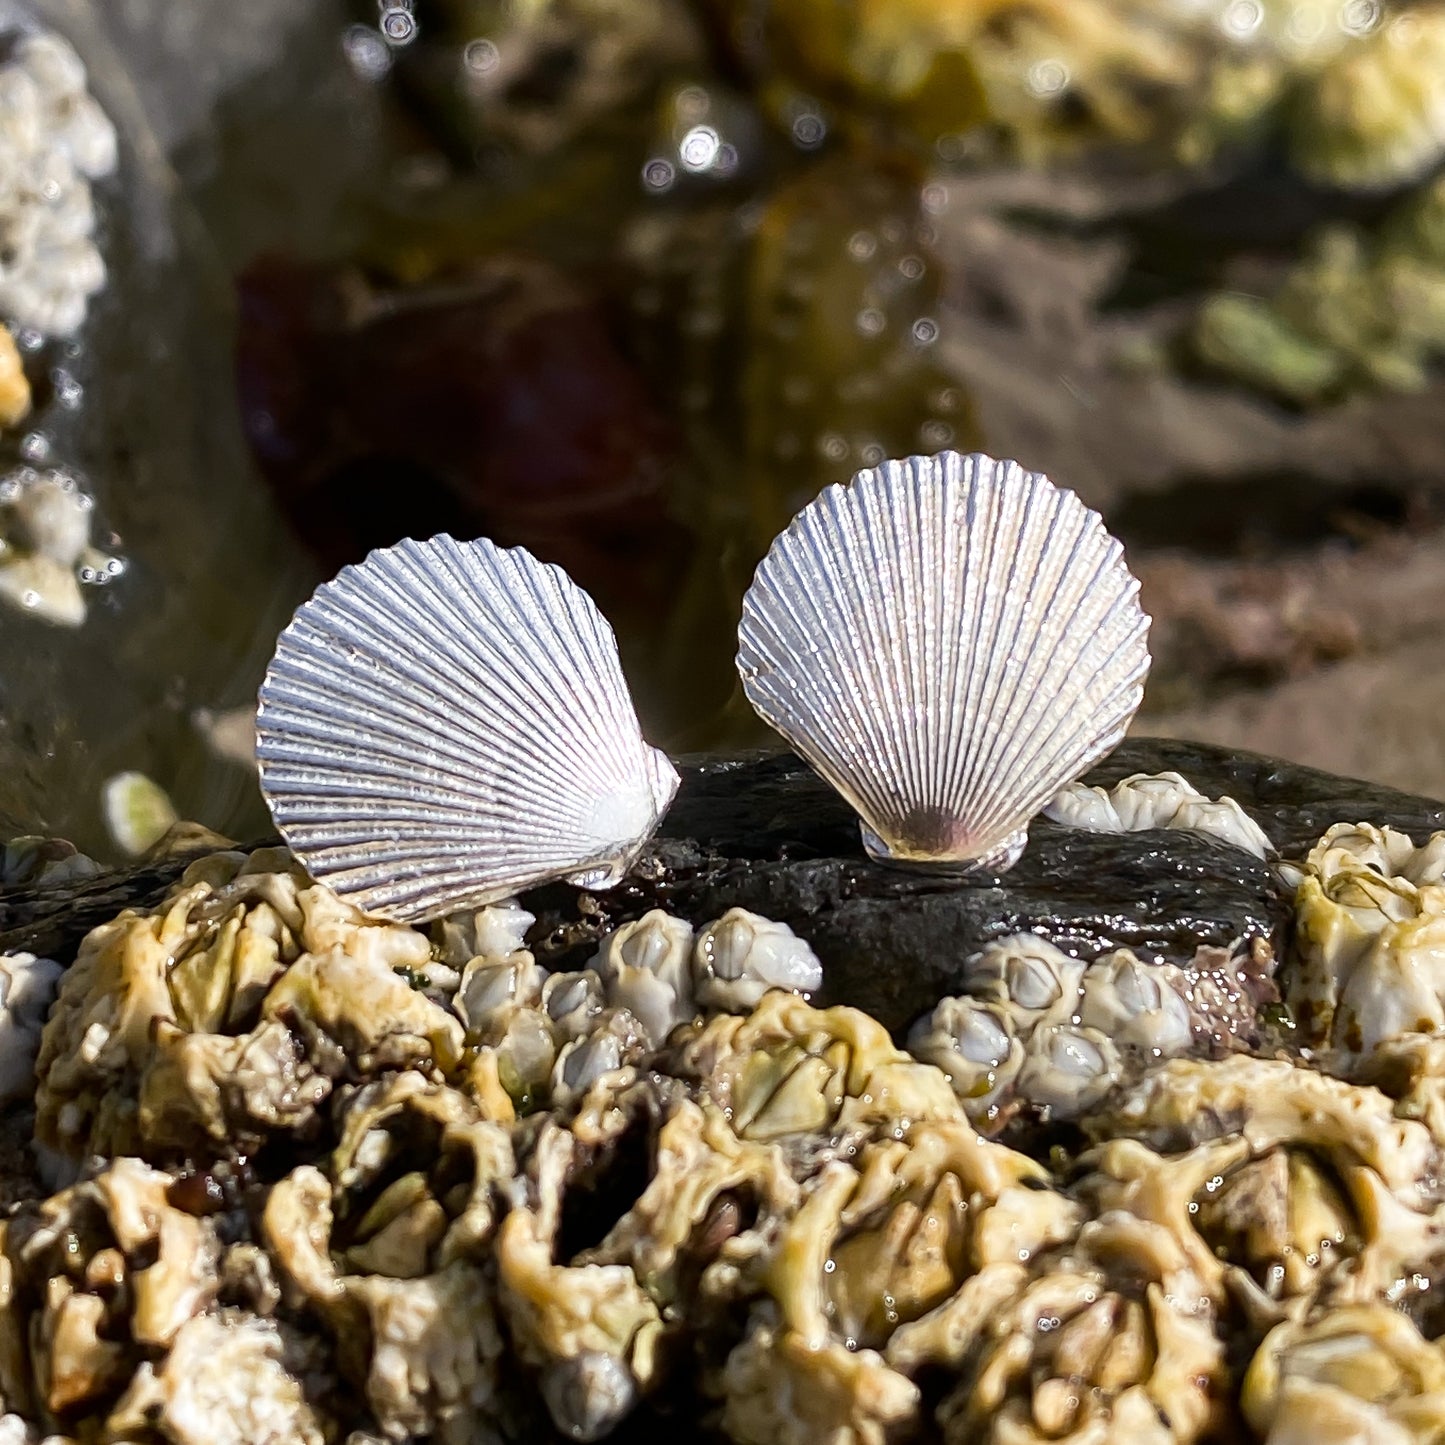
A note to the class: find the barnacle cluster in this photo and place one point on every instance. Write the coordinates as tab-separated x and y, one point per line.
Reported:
1163	800
1369	963
1040	1032
322	1178
56	140
1359	311
1353	87
45	547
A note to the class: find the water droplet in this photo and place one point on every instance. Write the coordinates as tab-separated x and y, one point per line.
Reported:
911	267
481	56
1048	77
692	102
925	331
35	447
936	435
1359	17
871	321
68	391
809	130
398	24
698	149
658	175
862	245
934	198
872	455
366	52
1242	18
829	1265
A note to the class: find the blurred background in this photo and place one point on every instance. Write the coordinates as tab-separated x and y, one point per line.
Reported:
628	281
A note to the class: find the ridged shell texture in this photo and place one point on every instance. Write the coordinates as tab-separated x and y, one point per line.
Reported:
948	640
447	723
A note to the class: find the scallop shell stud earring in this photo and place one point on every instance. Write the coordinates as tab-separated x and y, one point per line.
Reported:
949	641
446	724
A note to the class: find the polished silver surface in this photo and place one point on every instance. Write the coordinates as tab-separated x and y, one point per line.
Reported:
948	640
447	723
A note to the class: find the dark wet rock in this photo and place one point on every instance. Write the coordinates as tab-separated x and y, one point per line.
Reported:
766	834
763	832
146	422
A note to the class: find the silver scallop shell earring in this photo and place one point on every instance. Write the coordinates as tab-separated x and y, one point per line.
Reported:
447	723
949	641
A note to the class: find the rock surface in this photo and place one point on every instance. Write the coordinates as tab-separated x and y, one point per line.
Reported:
761	831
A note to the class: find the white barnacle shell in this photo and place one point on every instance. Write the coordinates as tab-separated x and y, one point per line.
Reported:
489	985
644	967
573	1001
1138	1004
494	933
446	724
976	1044
616	1039
1158	800
28	986
1028	972
740	956
1067	1068
948	640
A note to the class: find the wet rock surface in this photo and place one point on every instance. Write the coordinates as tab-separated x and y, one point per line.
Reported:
762	832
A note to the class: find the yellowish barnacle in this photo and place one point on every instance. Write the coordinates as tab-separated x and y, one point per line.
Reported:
115	1272
424	1349
1369	957
227	1011
1375	115
788	1068
138	811
14	385
1114	1338
1359	1373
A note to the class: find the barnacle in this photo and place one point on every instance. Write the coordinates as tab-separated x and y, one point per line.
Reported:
424	1348
229	1010
783	1389
14	385
1165	800
1186	1102
1360	1373
1040	1029
590	1328
45	549
788	1068
1369	958
106	1270
1375	115
1312	1186
645	967
226	1380
56	139
1113	1339
897	1230
740	956
28	986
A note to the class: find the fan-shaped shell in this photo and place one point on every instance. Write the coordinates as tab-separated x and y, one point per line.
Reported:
948	640
447	723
